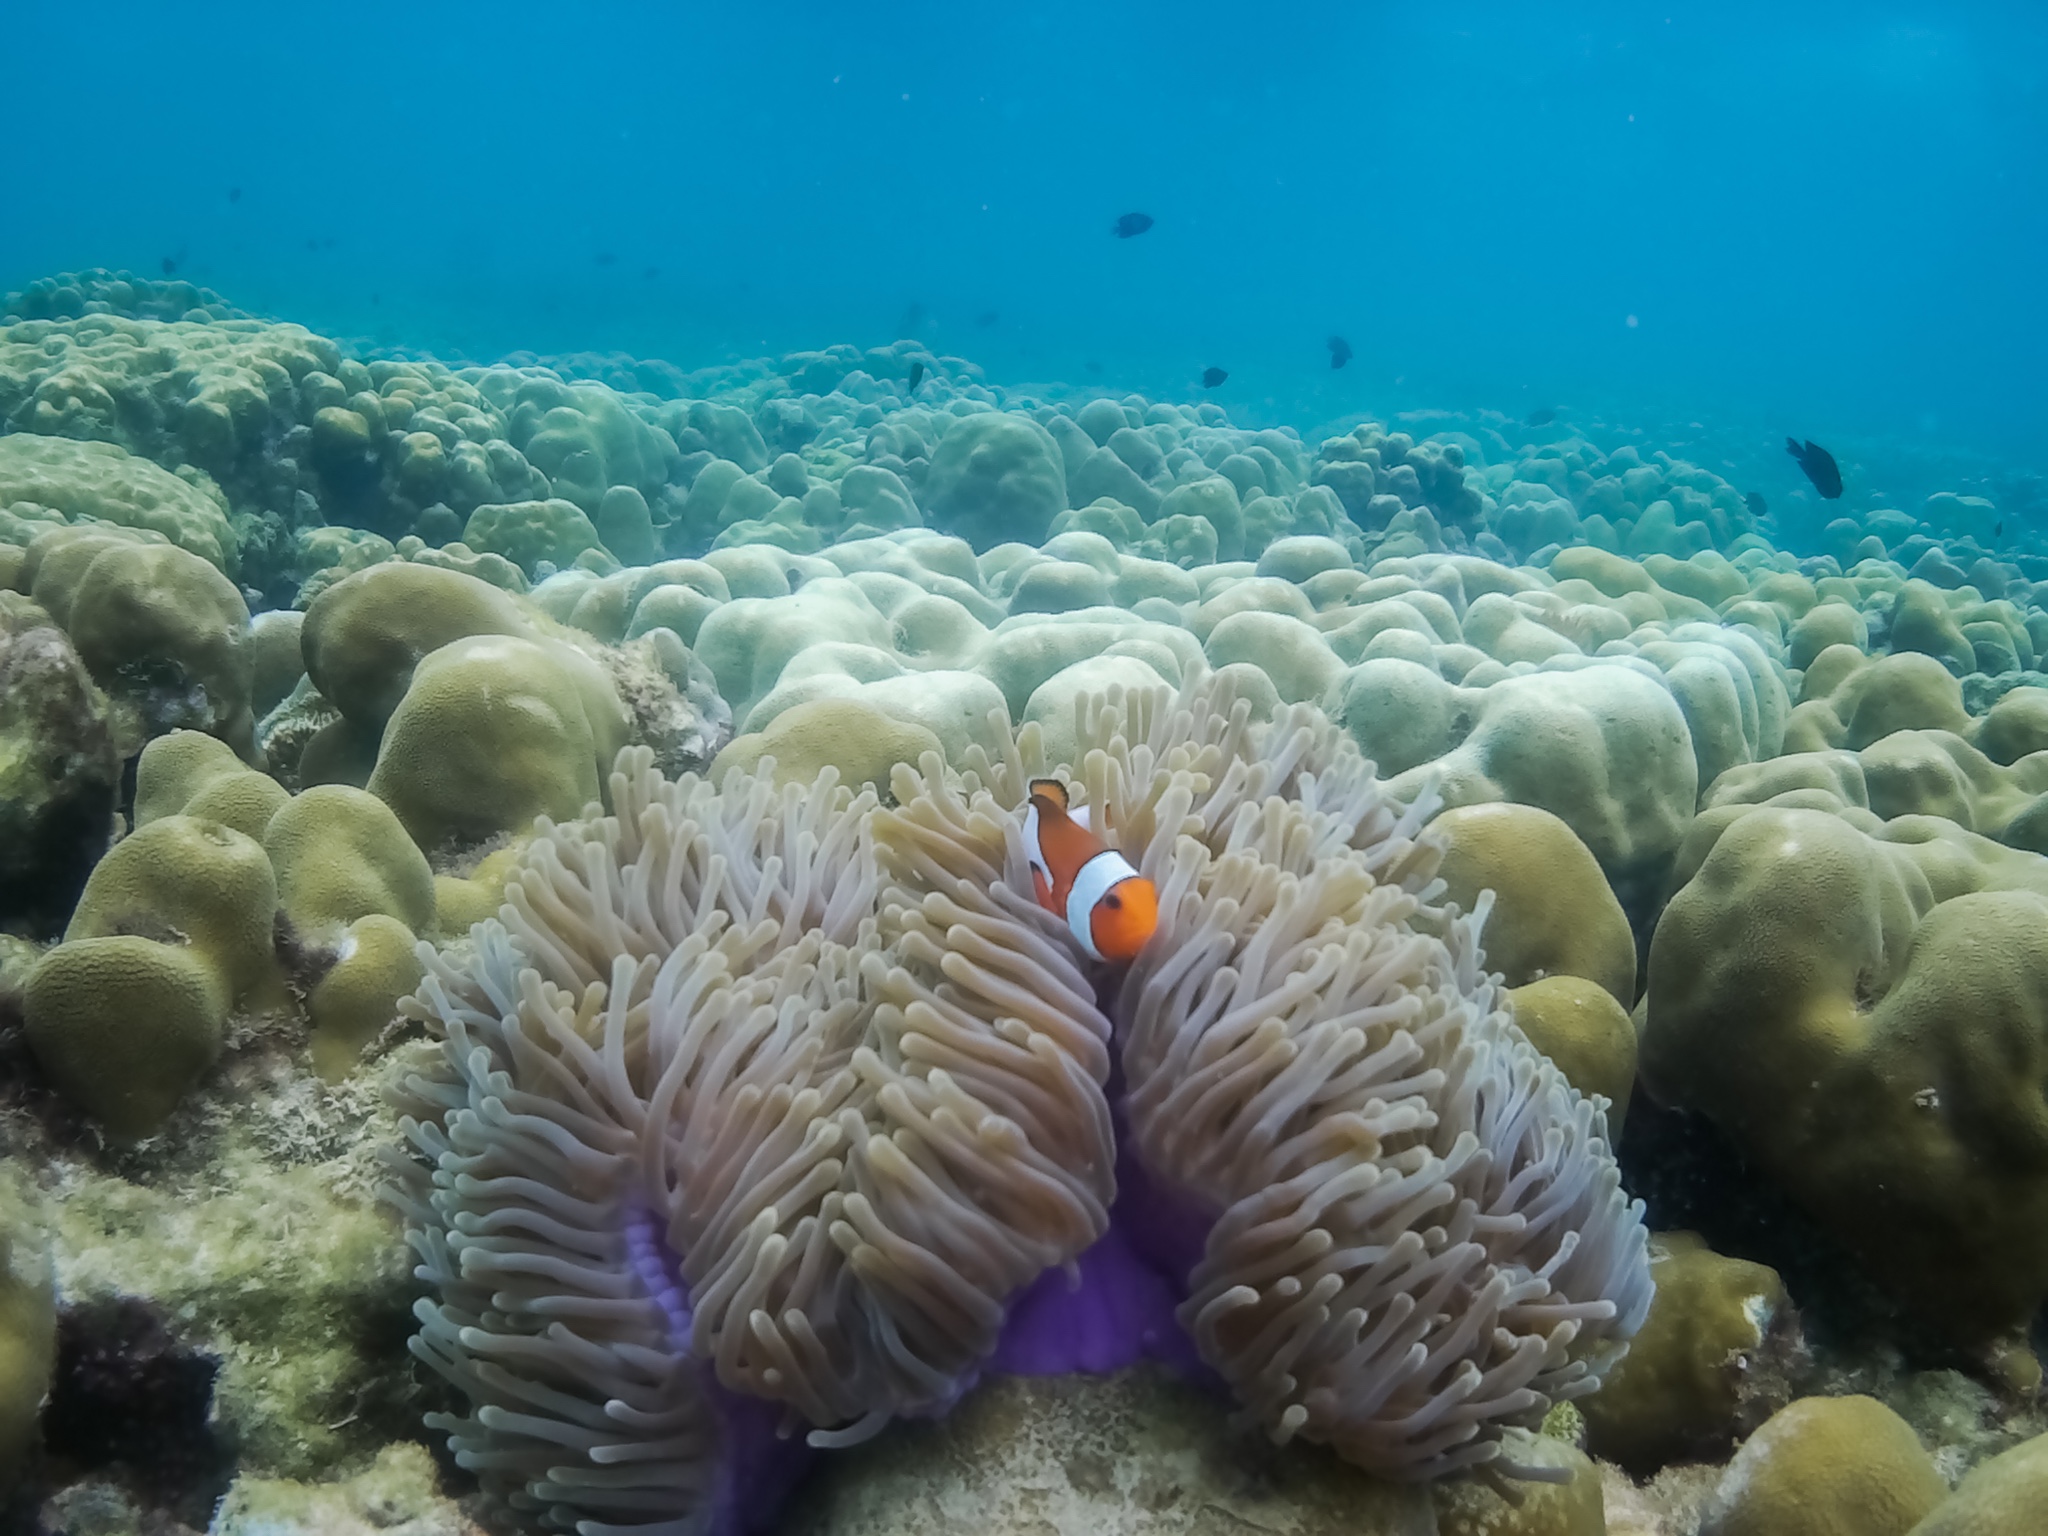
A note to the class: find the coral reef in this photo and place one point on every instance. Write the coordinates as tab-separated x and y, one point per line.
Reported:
311	657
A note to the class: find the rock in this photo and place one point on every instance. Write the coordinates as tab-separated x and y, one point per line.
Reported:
1083	1456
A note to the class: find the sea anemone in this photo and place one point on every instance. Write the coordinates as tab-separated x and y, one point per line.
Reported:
724	1114
763	1108
1398	1229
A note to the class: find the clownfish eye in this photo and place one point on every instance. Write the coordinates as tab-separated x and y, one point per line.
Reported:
1112	900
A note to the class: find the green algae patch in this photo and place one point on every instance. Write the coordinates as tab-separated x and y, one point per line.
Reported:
292	1276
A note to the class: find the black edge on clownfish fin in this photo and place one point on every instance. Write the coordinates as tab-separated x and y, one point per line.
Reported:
1052	789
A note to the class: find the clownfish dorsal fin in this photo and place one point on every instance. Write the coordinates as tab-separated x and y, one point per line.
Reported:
1050	789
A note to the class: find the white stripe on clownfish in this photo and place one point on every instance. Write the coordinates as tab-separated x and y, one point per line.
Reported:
1092	882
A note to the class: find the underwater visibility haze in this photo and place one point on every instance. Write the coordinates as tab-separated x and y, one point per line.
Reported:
1065	769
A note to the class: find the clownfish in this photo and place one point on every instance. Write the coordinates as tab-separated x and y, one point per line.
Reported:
1110	907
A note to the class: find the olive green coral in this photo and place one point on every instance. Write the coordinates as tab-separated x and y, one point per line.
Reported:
1580	1026
364	635
159	628
1862	1007
1554	913
1827	1466
104	483
1567	1501
860	743
192	774
494	731
2001	1497
340	854
1679	1392
124	1026
173	929
375	965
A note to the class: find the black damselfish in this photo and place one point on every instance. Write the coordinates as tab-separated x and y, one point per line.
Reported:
1131	224
1211	377
1819	465
1340	351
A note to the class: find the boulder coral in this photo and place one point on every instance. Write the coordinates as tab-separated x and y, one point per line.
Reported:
492	731
1688	1385
996	477
1604	748
162	630
1554	913
1862	1007
1826	1466
364	635
99	482
1999	1495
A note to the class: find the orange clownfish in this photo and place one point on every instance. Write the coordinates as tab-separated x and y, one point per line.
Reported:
1111	908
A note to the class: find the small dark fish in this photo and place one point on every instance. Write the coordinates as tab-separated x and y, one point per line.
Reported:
1542	416
986	318
1819	465
1131	224
1211	377
170	265
1998	530
605	258
916	376
234	194
1756	503
1340	351
312	244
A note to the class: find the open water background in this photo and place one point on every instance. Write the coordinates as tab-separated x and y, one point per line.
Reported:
1826	219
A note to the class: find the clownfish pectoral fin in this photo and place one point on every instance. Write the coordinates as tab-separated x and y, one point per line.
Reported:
1051	789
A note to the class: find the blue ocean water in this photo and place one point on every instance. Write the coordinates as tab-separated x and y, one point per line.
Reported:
1823	219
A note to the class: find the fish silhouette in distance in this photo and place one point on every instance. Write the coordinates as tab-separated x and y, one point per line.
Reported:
1819	465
